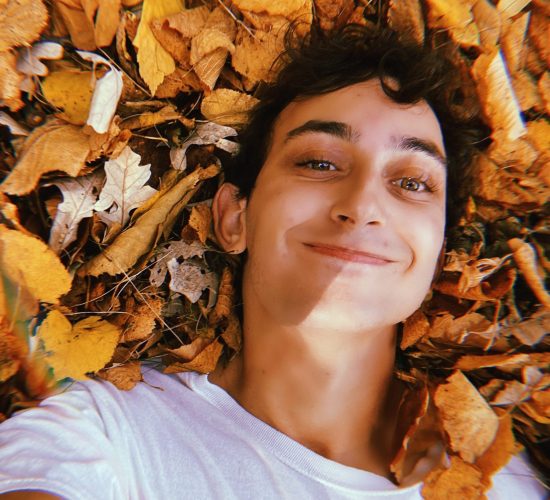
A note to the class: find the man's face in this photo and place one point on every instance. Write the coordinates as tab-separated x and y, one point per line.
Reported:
346	221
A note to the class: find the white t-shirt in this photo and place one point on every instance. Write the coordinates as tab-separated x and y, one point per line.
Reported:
177	437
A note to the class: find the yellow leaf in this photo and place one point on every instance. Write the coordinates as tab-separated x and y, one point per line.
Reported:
455	17
286	8
153	60
30	263
227	107
72	92
21	22
74	350
468	420
54	146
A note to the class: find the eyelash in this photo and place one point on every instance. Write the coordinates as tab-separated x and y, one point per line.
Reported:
429	186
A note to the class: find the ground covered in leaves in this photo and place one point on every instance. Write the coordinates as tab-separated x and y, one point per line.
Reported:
115	121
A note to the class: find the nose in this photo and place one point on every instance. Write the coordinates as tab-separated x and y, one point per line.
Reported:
359	202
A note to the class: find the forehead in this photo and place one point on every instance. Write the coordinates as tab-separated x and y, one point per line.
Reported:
371	114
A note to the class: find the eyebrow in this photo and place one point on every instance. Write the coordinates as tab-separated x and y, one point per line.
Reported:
336	129
344	131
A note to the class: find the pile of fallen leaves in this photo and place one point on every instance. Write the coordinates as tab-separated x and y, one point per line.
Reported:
115	121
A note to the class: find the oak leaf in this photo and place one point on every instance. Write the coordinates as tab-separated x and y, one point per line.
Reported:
124	190
29	61
172	250
153	60
79	197
190	279
53	146
25	259
468	420
75	350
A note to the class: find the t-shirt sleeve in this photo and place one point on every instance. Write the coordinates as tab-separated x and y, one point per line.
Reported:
61	447
517	480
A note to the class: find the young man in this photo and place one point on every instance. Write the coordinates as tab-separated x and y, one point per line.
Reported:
339	200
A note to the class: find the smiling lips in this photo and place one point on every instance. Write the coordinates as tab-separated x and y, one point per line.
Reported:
349	255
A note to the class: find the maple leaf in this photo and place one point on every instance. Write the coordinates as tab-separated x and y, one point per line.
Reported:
74	350
79	197
123	191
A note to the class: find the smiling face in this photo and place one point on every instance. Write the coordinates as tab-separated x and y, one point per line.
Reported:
346	220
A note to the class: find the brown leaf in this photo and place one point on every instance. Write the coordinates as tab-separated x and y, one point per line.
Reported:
227	107
473	362
468	420
406	17
21	22
526	259
513	41
54	146
150	119
10	81
189	22
513	393
538	33
225	301
78	24
172	41
455	17
204	362
526	90
200	219
209	68
416	326
123	377
488	21
544	90
530	331
139	239
141	323
538	134
496	95
286	9
333	14
458	482
181	80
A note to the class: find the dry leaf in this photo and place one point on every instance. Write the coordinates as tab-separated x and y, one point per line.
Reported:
544	90
473	362
416	326
42	153
107	92
123	377
455	17
21	22
468	420
24	260
526	90
487	19
499	103
204	362
139	239
173	250
124	190
406	17
538	134
71	91
141	323
150	119
204	134
10	82
458	482
189	22
286	9
513	41
181	80
14	126
74	350
29	61
510	8
526	259
79	197
153	60
77	23
332	14
190	280
200	219
530	331
227	107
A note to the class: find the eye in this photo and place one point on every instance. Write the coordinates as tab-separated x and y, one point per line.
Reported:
319	165
413	184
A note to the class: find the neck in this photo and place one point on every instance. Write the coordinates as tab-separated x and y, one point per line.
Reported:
331	391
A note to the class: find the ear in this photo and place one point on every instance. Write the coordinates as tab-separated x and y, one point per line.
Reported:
229	213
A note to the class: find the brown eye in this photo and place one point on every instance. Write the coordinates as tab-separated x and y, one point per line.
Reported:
320	165
411	184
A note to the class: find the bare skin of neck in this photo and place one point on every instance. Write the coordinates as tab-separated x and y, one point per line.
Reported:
333	392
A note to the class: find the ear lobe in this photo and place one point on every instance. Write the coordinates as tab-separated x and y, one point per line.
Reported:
229	213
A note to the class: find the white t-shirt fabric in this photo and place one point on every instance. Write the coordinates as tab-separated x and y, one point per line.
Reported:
182	437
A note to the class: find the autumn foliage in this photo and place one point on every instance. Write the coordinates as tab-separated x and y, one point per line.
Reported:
116	119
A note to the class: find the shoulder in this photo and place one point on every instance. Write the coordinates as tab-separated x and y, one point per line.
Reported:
517	480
